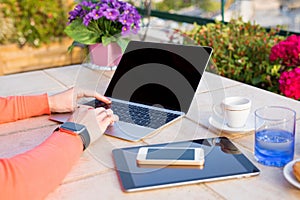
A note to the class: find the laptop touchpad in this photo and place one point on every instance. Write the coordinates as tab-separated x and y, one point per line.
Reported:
128	131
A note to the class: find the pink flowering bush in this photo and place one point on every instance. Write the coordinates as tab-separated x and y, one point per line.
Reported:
287	54
289	83
287	51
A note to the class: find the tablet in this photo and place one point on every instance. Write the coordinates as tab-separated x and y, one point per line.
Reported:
223	160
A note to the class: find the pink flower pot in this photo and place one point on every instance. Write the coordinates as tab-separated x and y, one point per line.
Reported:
106	57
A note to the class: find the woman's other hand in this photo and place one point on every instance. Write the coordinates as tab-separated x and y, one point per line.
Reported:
66	101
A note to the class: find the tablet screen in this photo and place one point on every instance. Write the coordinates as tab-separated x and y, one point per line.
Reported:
223	160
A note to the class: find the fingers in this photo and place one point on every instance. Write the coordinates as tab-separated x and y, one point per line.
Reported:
107	121
89	93
102	98
105	116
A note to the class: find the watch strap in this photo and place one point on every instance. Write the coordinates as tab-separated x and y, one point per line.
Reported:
85	137
79	129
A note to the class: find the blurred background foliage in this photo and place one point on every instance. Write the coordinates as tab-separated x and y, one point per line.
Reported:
241	51
32	22
173	5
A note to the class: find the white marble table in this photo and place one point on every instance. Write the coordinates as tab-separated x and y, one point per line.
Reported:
94	177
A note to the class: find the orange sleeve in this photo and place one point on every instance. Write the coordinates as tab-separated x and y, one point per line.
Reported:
34	174
20	107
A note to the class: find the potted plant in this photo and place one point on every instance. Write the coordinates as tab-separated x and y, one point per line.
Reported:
100	24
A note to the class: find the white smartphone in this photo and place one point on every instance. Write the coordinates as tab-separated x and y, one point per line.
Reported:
170	156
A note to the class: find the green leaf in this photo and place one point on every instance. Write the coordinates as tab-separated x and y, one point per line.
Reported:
70	48
123	42
107	40
80	33
256	80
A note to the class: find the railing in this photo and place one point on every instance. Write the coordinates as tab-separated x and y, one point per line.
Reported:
146	10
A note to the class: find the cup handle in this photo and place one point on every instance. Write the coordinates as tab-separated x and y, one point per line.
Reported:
218	112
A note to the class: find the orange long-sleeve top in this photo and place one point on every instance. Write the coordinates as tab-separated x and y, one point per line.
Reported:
35	173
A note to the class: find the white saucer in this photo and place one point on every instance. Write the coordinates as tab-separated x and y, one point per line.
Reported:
289	175
221	125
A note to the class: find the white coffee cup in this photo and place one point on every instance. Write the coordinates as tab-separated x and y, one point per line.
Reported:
234	110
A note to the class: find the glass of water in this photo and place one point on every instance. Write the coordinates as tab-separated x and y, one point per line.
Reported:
274	135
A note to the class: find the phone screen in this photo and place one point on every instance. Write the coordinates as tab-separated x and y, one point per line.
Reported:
170	154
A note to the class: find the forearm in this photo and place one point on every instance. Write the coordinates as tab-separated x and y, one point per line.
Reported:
20	107
34	174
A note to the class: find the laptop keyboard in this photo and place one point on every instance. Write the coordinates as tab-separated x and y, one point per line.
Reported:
136	114
142	116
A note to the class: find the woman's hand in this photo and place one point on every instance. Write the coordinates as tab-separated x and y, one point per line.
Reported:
66	101
96	120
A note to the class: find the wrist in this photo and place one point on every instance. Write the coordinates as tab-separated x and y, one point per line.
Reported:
61	102
77	129
52	101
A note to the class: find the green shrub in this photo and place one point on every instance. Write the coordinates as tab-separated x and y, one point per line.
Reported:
171	5
32	22
241	51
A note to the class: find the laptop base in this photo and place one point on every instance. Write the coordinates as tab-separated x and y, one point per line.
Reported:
127	131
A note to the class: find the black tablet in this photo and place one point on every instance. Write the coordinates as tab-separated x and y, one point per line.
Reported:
223	160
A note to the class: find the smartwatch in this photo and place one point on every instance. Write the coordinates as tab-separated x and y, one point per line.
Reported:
78	129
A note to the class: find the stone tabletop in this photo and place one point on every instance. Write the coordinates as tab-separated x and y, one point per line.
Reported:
94	177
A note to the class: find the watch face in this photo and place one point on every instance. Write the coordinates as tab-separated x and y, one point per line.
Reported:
72	126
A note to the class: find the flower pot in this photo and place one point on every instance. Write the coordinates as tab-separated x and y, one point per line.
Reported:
104	57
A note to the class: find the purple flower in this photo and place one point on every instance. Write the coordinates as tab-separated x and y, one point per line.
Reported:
116	4
103	7
125	20
125	30
88	4
111	13
135	28
87	19
77	12
96	14
126	8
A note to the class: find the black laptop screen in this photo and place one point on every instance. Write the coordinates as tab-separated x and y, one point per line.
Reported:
159	74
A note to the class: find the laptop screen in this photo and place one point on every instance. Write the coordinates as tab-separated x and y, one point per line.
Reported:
159	74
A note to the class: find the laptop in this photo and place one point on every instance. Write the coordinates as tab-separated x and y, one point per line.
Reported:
153	85
223	160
